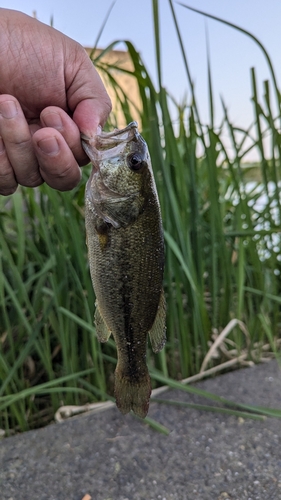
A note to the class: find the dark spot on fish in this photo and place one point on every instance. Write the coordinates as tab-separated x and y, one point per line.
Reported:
103	234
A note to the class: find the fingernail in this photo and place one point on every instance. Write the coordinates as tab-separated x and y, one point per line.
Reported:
53	120
8	109
49	146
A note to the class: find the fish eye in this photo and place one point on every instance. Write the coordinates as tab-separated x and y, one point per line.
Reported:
135	161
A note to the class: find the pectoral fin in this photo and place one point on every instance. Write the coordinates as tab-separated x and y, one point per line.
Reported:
102	331
157	334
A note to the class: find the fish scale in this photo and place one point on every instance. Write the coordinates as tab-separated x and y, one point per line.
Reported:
126	257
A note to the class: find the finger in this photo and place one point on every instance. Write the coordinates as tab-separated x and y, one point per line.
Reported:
8	183
58	119
57	164
16	137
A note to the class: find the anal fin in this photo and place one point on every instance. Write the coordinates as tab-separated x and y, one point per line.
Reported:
102	331
157	334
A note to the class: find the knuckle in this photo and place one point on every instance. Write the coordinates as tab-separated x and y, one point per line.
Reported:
63	179
70	174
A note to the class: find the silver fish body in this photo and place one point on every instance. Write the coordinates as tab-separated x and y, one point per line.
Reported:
126	257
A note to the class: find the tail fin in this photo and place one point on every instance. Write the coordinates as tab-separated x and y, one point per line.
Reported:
132	394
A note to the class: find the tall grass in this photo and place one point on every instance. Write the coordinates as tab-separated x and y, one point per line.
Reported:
222	254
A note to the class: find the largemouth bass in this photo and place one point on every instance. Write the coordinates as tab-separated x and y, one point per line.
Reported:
126	257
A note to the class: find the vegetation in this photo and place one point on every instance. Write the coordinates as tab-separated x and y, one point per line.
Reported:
223	258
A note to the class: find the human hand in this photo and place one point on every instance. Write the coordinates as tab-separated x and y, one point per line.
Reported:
50	92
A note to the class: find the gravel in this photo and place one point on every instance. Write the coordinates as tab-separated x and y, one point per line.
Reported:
206	456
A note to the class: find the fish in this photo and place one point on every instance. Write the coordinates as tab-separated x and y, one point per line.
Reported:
124	236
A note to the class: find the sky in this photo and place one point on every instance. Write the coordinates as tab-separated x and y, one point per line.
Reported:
232	54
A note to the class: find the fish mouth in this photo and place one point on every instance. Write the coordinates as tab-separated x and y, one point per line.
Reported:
108	144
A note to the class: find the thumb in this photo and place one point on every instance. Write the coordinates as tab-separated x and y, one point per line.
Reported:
90	114
86	95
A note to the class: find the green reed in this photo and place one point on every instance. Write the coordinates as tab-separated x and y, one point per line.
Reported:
222	253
